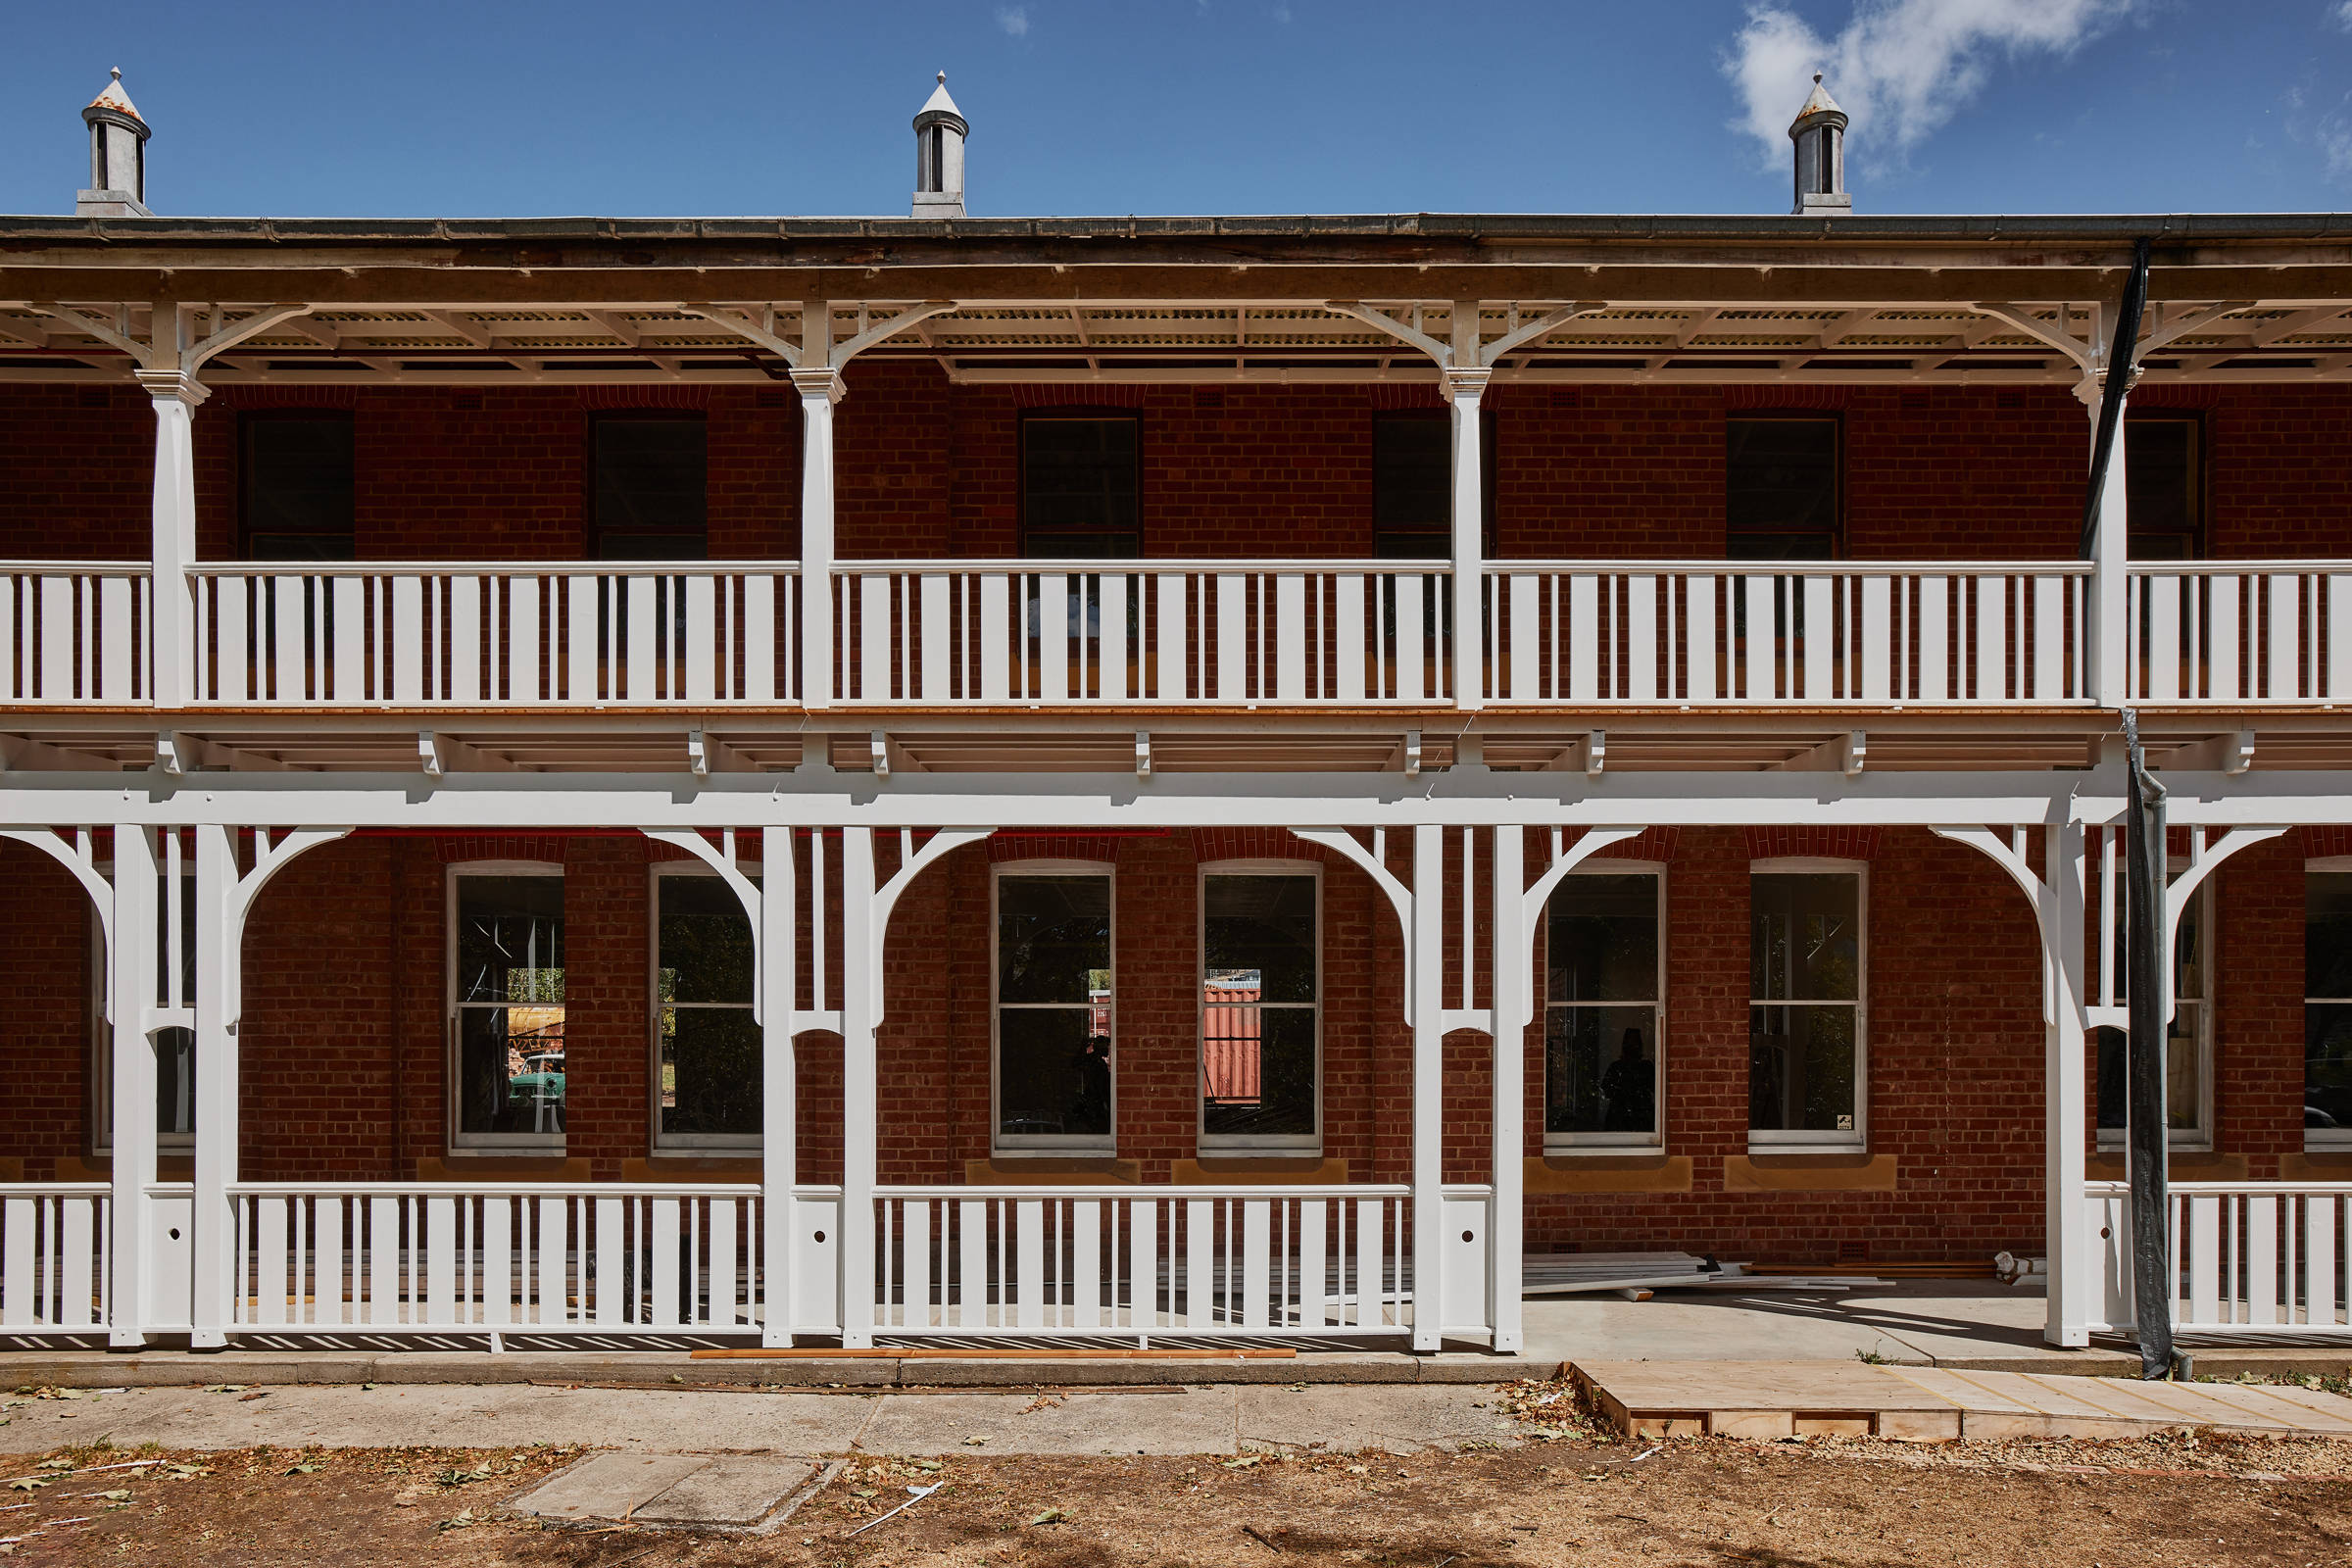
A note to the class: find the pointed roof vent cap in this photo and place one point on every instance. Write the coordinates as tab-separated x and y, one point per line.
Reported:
939	103
1819	134
118	156
1819	103
113	97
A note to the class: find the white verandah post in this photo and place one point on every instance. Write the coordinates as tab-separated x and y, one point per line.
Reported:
2067	1223
1512	1008
2111	640
171	625
860	991
1465	390
214	1267
1429	1085
131	958
820	387
779	1082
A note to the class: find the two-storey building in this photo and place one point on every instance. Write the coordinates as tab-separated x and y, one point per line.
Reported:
1145	778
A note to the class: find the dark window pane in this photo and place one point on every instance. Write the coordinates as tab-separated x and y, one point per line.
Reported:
1604	939
1278	1100
2327	1065
1052	938
1053	1074
1781	488
1081	493
511	1069
176	1081
706	940
298	487
2161	488
1601	1070
1804	937
510	939
1801	1069
710	1077
2182	1092
1413	472
1263	925
2328	935
651	481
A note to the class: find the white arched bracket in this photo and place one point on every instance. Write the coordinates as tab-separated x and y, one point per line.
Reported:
722	858
1466	351
1566	855
81	857
169	349
2203	860
2010	856
269	859
912	862
1374	864
817	349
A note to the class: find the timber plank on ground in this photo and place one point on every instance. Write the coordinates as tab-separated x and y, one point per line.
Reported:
1934	1404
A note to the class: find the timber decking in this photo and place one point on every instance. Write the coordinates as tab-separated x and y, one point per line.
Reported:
1934	1405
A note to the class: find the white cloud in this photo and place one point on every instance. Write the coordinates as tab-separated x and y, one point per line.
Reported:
1015	20
1899	68
2343	14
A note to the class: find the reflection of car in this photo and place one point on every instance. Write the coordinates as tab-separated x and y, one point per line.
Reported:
540	1083
2313	1116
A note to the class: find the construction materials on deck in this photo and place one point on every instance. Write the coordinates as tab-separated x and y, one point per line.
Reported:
959	1354
1934	1404
1576	1273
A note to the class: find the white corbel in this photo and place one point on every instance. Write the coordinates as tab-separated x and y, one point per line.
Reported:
269	859
428	753
2190	320
1143	753
1406	758
81	857
1374	864
172	752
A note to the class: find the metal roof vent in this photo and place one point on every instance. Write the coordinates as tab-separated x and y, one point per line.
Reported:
118	157
939	132
1819	131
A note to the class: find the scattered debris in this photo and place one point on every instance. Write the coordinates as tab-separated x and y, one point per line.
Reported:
1251	1531
1052	1516
920	1492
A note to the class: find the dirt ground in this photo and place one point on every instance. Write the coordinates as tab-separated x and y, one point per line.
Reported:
1572	1497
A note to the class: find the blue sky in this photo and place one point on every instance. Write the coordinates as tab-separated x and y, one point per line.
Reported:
1094	107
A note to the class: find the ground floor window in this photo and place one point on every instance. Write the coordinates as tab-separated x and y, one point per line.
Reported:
707	1042
1260	1008
2187	1042
1605	1009
1054	1015
2327	1004
506	995
1806	1074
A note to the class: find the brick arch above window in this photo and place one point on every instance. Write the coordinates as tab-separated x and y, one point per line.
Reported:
1813	843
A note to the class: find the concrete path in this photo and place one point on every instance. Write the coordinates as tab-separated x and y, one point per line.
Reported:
1221	1419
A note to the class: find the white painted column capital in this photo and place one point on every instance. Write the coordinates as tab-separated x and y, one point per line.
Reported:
174	385
823	381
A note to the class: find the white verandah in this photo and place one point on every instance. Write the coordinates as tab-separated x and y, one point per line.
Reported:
220	1258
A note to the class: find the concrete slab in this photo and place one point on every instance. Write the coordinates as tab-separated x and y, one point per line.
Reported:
1921	1321
455	1416
1397	1420
1194	1421
606	1485
735	1490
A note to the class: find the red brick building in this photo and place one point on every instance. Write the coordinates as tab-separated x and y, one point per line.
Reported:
1149	777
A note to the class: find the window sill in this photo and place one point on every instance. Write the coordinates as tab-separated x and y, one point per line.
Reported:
1600	1171
1052	1170
1272	1167
1557	1151
468	1165
1787	1170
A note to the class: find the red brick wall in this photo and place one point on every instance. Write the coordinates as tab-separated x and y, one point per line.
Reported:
928	469
45	957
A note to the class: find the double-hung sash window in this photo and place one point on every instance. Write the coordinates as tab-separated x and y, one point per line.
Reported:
2187	1039
1054	1010
2327	1004
1261	1010
1807	1081
707	1045
505	996
1604	1010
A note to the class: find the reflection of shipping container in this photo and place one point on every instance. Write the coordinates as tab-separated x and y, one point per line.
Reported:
1229	1054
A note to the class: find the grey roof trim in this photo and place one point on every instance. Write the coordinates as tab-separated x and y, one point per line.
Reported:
1990	230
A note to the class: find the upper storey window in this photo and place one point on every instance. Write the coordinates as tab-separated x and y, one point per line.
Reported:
1082	485
1412	484
1781	488
2164	486
295	474
648	475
